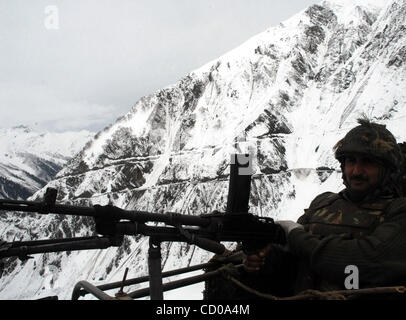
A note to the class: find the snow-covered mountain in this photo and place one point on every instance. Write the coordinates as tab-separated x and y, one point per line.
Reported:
287	95
30	159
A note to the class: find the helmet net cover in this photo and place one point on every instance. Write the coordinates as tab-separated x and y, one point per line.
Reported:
373	140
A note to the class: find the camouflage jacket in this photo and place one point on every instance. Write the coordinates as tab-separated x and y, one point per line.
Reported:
370	235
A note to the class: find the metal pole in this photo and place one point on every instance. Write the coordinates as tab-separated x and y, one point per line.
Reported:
118	284
235	258
179	283
101	295
154	269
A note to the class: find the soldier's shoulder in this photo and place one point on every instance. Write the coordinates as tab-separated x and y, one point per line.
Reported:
397	205
324	199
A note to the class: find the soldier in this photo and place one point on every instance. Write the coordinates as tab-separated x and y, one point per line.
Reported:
363	226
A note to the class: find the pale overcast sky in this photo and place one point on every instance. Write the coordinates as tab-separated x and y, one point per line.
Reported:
80	64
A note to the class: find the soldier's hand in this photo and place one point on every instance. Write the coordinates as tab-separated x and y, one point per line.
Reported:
254	262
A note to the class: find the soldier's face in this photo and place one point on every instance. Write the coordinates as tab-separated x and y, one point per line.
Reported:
362	173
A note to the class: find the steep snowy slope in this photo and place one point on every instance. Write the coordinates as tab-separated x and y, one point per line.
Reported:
29	159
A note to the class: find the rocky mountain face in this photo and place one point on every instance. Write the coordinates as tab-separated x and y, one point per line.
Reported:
286	96
30	159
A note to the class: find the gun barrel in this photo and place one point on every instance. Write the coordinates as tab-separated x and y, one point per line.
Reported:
24	248
41	207
108	212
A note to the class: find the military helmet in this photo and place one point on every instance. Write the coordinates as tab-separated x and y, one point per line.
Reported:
373	140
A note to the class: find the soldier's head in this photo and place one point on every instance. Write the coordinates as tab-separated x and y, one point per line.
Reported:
369	155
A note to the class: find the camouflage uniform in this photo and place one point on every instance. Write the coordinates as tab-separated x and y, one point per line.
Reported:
370	235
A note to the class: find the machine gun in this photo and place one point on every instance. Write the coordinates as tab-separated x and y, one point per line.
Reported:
112	223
